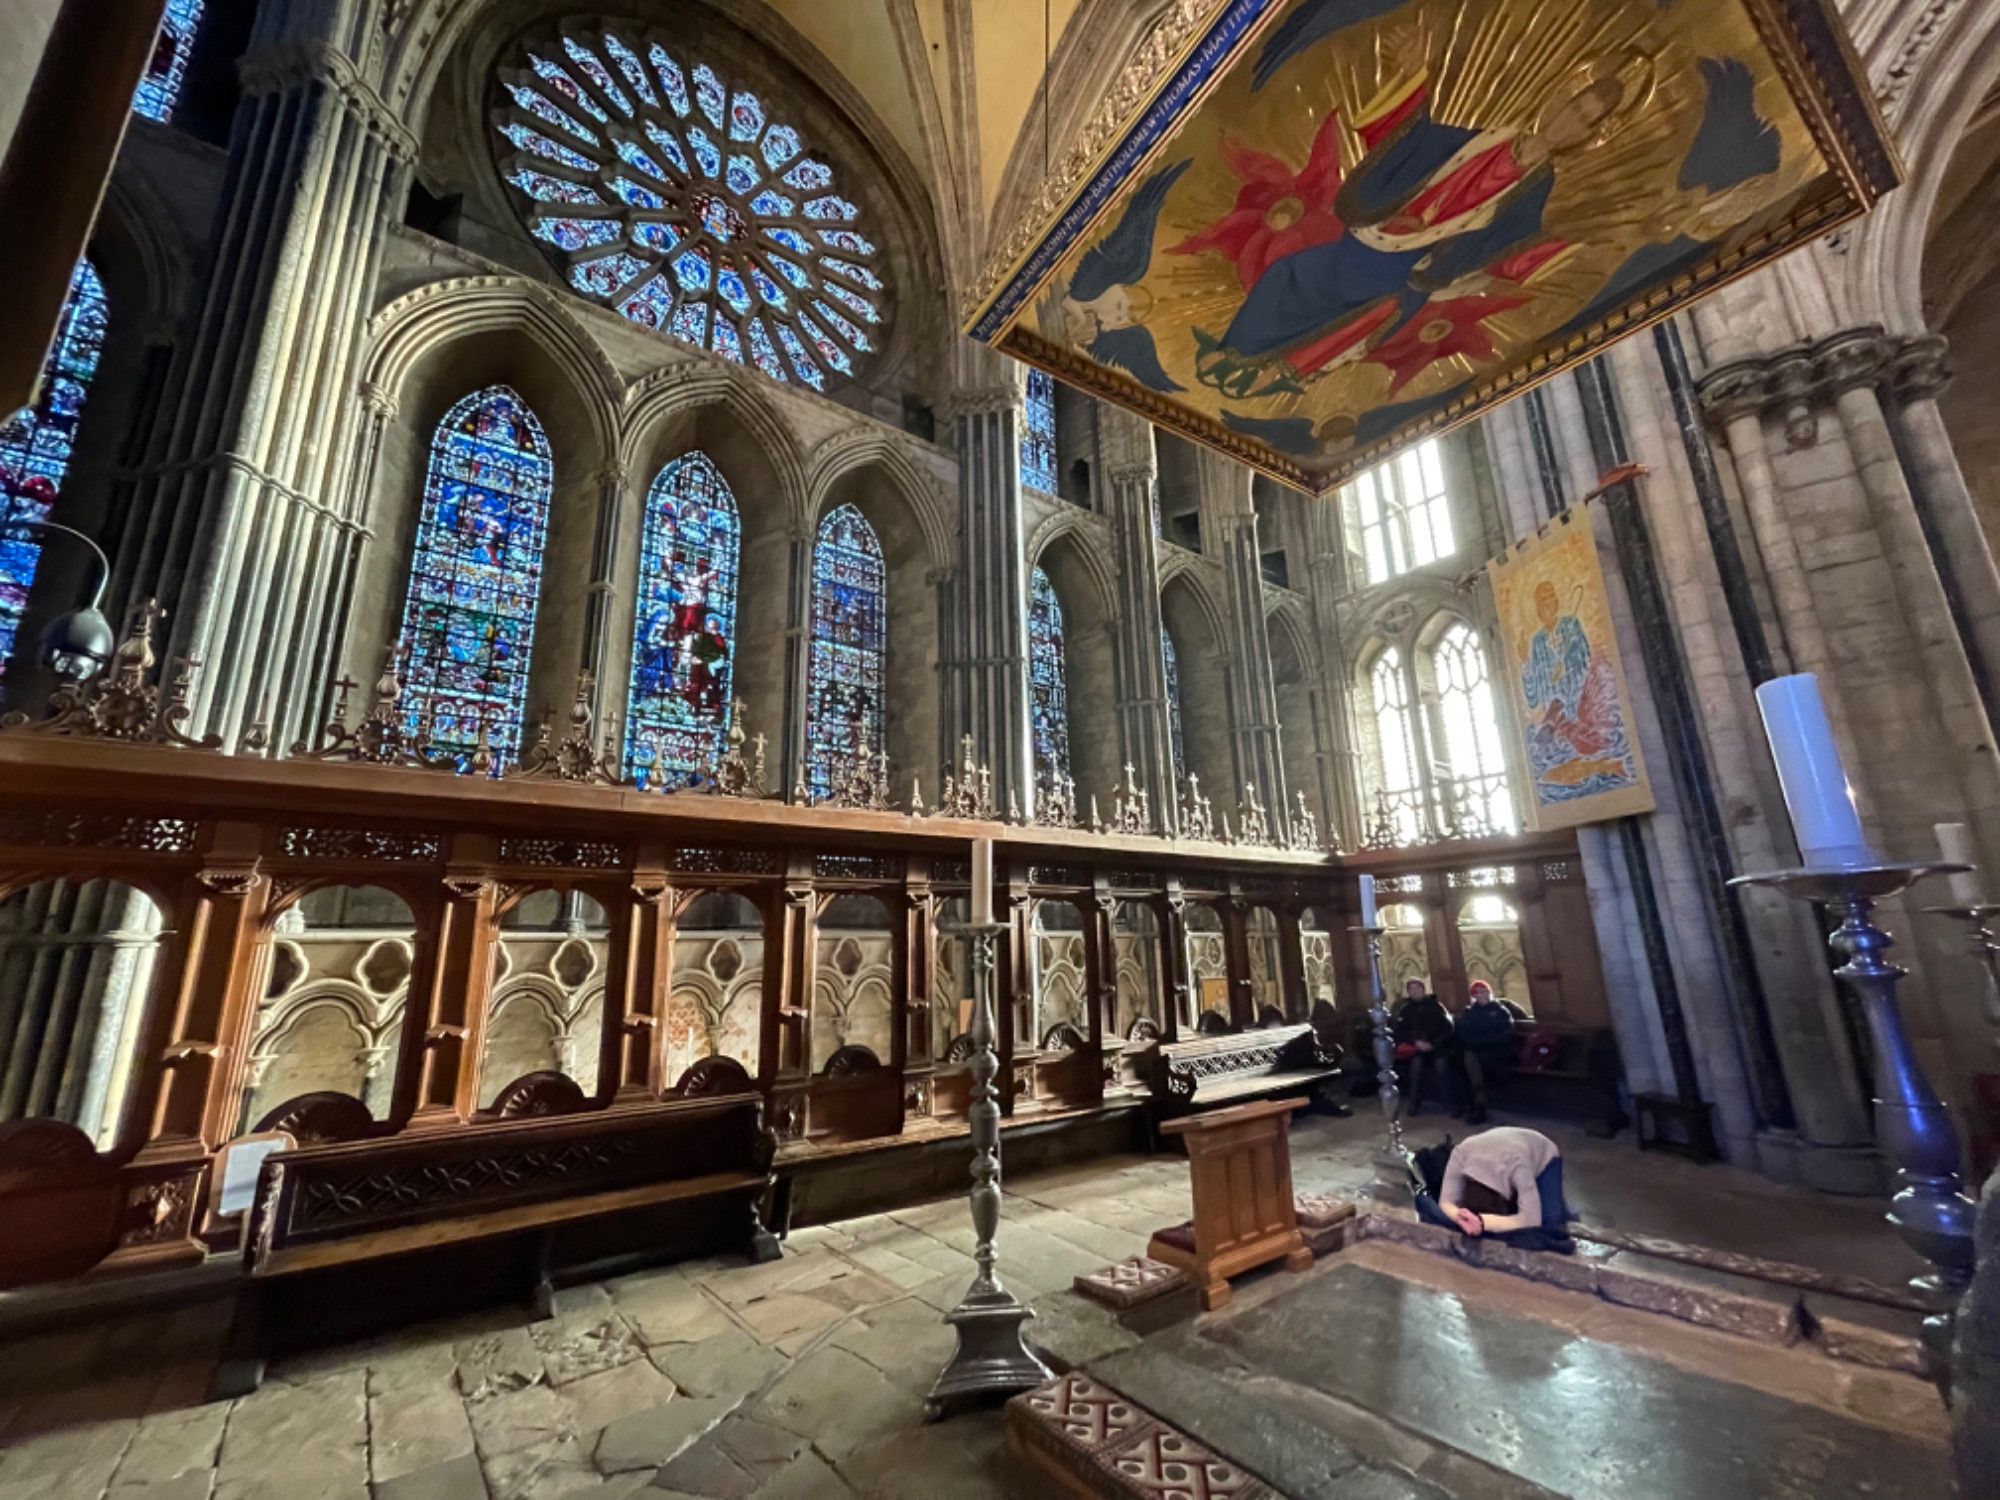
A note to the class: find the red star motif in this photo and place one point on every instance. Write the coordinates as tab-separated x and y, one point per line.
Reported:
1278	211
1439	331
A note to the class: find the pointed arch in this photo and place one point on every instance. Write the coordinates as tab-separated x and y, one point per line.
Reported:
847	665
668	397
865	447
1477	797
475	573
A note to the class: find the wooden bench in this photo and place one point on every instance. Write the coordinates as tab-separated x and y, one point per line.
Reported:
349	1237
1207	1071
1240	1161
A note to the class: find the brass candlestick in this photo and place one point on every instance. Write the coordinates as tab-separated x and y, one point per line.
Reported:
1397	1170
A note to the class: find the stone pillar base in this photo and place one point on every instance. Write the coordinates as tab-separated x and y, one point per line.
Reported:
1858	1171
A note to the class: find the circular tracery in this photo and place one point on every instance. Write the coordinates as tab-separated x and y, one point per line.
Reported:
676	200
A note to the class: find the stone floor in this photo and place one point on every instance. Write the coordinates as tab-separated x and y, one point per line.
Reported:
723	1381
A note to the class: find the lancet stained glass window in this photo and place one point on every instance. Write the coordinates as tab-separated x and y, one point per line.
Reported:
662	191
1038	433
1048	682
1175	735
166	69
1479	798
476	572
848	664
35	446
684	632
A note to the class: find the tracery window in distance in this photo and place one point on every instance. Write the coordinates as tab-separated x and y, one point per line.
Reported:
1038	433
1403	512
684	629
1478	796
1175	735
35	446
166	70
1396	743
847	666
668	194
1048	684
475	575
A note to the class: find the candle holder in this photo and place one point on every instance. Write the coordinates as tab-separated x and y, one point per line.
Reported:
1396	1168
991	1361
1930	1209
1984	945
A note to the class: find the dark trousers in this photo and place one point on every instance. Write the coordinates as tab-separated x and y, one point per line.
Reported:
1551	1234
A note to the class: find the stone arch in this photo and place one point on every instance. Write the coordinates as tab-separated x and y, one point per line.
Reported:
1302	737
1069	548
428	349
874	474
1191	617
525	1027
297	1049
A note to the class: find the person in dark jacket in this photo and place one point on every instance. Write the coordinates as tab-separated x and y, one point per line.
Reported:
1424	1042
1485	1037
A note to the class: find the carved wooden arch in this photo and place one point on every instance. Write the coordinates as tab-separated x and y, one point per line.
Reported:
538	1095
162	887
417	892
713	1075
423	321
864	447
681	389
321	1117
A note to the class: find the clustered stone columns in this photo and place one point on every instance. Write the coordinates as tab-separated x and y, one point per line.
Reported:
244	518
1131	473
1253	699
984	653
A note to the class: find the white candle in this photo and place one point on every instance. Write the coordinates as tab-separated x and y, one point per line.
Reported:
1955	844
982	880
1368	901
1817	795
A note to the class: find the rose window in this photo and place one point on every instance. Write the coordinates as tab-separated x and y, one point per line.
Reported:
668	195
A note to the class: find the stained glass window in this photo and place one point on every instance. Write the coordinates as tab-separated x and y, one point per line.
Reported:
1175	735
166	69
1396	746
665	193
1403	512
1048	683
1038	433
1479	801
684	633
847	667
35	446
476	572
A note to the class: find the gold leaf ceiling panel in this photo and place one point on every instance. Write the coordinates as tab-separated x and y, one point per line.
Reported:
1330	226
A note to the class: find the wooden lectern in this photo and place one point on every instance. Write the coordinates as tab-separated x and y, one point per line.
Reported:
1241	1160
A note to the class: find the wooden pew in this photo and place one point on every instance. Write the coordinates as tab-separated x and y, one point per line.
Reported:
1207	1071
1241	1163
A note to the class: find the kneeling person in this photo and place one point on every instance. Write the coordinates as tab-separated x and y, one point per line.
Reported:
1508	1182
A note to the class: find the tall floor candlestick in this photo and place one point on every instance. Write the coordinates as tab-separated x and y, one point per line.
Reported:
1395	1169
991	1361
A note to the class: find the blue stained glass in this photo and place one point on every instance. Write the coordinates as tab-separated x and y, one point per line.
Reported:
781	144
709	93
684	632
655	236
1174	735
690	322
635	156
541	145
543	110
160	86
35	445
801	361
742	175
847	667
853	272
1048	681
774	205
651	305
691	268
704	151
598	74
672	81
553	75
547	189
469	617
723	339
768	289
829	352
746	117
718	218
664	139
791	239
762	351
848	240
1038	433
832	206
730	283
579	234
634	70
606	276
854	336
808	175
637	196
796	275
854	302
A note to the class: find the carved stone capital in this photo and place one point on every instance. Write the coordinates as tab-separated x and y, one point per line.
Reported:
285	66
983	401
1140	474
380	401
613	476
1795	383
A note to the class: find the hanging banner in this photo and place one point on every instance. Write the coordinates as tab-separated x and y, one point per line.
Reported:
1567	681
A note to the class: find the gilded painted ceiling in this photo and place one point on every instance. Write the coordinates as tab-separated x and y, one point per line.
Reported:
1330	225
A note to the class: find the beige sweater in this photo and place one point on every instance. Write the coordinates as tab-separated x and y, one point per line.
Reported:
1507	1159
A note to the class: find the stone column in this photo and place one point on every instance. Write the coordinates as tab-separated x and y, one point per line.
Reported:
1253	698
336	582
238	510
984	654
599	651
1145	738
1339	749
